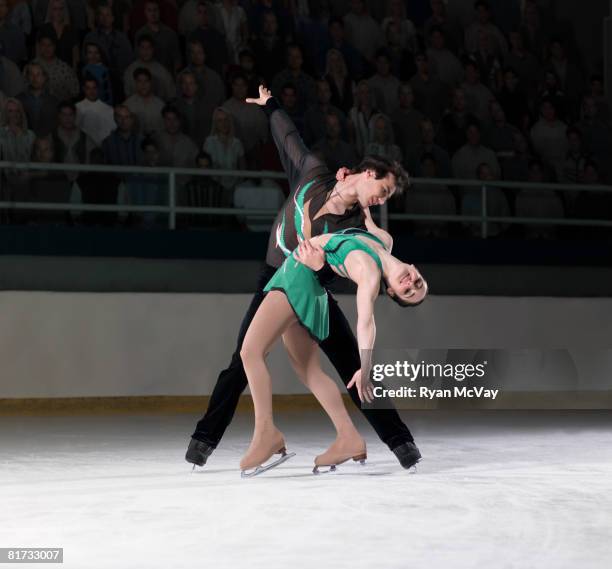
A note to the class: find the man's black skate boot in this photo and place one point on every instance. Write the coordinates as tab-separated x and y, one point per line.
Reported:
408	454
198	452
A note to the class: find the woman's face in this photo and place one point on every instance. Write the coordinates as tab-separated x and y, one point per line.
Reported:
43	151
222	123
406	283
57	10
380	130
93	55
13	114
363	94
335	62
46	48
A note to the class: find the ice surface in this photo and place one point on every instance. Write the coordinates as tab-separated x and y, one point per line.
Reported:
494	490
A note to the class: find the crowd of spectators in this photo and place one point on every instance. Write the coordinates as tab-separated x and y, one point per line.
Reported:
498	91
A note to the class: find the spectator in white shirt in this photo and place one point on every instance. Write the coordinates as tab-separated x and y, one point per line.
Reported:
94	117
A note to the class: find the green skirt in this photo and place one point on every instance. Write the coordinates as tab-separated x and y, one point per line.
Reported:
305	295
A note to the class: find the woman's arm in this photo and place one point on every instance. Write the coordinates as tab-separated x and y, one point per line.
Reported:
368	283
372	228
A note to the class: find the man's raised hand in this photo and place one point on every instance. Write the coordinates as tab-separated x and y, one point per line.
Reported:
264	95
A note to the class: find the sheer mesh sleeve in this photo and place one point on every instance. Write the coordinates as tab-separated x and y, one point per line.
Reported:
296	158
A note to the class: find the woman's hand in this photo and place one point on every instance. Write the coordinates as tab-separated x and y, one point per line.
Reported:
342	173
264	95
365	389
310	255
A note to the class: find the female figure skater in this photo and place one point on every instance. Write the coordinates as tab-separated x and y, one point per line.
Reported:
295	308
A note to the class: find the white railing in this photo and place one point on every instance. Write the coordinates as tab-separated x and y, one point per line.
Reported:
172	209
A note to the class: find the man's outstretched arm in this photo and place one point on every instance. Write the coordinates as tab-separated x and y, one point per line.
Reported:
294	155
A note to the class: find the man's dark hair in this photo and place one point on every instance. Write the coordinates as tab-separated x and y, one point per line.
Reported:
142	71
66	105
89	77
148	141
382	167
170	109
202	155
145	38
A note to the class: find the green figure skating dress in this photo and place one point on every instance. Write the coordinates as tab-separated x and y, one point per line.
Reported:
304	292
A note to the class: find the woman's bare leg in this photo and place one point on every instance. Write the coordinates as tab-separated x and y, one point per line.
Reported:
304	356
270	321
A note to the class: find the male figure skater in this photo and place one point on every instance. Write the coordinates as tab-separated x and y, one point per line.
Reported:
318	203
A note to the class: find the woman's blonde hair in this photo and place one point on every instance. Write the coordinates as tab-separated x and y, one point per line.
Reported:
328	57
19	104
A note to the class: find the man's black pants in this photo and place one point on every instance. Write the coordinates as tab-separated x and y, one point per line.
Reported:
340	347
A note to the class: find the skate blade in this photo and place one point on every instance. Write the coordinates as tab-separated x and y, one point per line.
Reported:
264	468
332	467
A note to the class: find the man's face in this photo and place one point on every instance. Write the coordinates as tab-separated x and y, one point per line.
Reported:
382	65
485	174
46	48
152	13
270	25
336	31
372	191
90	90
105	17
437	40
473	135
143	85
357	6
202	15
590	107
459	100
151	155
421	63
189	85
482	14
67	118
574	141
548	112
471	74
36	77
92	54
294	59
196	54
239	89
516	40
172	123
406	97
381	130
13	114
247	63
124	119
333	127
497	113
437	7
323	92
43	151
427	132
288	98
146	51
